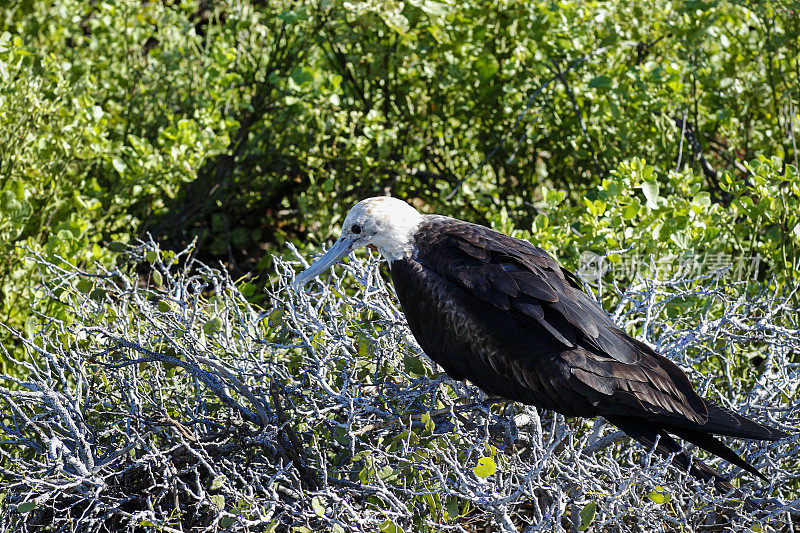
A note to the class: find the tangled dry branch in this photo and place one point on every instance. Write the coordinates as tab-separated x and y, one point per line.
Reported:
156	395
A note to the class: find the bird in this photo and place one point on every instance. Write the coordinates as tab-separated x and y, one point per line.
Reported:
502	314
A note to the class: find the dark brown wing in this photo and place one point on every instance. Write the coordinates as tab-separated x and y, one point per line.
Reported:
519	326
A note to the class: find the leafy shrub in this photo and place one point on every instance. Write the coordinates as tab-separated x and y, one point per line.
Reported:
666	129
97	130
245	124
671	215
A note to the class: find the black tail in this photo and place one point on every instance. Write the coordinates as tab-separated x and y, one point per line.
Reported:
710	444
647	433
721	421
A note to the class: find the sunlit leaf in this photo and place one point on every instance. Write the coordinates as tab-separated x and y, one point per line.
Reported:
587	515
485	467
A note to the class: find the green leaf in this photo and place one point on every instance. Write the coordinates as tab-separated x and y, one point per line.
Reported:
65	235
660	495
227	521
275	317
318	506
680	239
30	331
595	207
117	246
432	501
212	326
9	203
217	482
391	527
301	76
26	506
428	421
218	500
362	345
631	210
289	16
97	294
486	66
119	165
18	187
452	508
603	82
414	366
151	256
164	306
437	9
248	289
541	222
702	198
485	467
387	473
650	190
147	523
587	515
655	229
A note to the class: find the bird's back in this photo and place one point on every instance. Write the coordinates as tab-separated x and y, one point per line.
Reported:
524	329
504	315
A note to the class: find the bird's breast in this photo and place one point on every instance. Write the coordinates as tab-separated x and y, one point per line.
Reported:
472	341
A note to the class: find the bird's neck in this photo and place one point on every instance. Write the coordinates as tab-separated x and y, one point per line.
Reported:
396	251
400	242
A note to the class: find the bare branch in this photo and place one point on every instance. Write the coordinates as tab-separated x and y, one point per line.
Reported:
178	405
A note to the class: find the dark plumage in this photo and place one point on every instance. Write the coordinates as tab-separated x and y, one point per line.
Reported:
501	313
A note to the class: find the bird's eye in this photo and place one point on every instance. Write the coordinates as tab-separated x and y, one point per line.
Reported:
356	229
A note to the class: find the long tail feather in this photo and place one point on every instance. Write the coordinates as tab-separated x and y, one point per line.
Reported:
712	445
646	433
721	421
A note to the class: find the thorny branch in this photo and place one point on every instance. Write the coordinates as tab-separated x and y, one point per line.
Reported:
174	403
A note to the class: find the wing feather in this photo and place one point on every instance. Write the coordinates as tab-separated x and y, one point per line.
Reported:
521	284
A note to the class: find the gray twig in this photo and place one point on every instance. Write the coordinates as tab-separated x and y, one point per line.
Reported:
320	411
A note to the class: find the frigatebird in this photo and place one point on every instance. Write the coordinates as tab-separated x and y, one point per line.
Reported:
501	313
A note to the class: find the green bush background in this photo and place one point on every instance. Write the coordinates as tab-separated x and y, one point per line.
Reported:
248	123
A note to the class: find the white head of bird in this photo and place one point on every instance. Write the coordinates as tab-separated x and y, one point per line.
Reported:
384	222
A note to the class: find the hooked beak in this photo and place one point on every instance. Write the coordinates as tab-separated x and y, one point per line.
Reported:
340	248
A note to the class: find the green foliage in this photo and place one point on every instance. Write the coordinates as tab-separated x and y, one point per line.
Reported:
245	124
659	495
433	98
670	214
26	507
96	132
